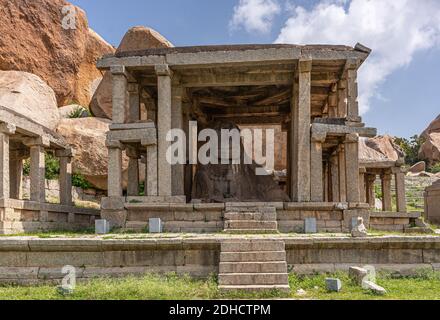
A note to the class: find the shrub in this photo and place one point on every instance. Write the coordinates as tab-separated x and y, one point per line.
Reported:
435	168
79	181
411	148
52	167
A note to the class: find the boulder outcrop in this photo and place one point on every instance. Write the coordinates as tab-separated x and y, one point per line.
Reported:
430	150
33	40
137	38
28	95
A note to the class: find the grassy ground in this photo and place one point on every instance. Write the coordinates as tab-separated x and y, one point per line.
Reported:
426	285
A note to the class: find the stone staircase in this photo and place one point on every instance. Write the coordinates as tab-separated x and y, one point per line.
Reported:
253	265
245	218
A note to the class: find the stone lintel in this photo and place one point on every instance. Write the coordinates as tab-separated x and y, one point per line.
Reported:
229	56
144	136
131	126
341	130
42	141
7	128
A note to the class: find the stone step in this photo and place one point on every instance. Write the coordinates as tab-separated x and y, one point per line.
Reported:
250	224
253	279
253	256
261	209
250	245
253	267
252	216
253	288
251	231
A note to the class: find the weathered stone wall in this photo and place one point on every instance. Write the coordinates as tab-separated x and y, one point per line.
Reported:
30	261
208	218
26	216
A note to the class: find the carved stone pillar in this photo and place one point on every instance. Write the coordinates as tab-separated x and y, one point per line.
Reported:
65	178
400	190
342	173
300	130
133	172
5	131
119	94
362	185
352	92
114	168
134	113
38	168
371	195
352	167
164	125
386	192
316	168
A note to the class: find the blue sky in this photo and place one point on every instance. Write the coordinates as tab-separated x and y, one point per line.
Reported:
401	95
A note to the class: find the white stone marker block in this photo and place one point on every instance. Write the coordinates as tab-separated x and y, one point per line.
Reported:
155	225
333	285
102	226
310	225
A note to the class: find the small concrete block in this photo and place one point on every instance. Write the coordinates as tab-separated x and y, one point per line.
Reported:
310	225
102	226
376	289
333	285
358	275
155	225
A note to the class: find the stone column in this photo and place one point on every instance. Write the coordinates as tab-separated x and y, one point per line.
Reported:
178	170
163	127
134	113
400	190
316	168
386	192
65	178
334	169
16	177
342	97
38	168
342	172
352	92
362	185
151	188
133	172
5	131
119	94
114	168
333	102
352	167
371	195
300	130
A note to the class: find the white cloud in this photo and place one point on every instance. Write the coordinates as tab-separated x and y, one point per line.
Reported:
255	15
395	29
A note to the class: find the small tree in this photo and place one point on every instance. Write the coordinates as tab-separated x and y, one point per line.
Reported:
411	148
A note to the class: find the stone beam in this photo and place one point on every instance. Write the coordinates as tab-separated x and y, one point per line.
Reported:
208	78
342	130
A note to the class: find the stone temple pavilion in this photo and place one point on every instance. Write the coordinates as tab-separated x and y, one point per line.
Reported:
310	92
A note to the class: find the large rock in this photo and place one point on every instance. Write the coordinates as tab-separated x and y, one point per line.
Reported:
418	167
430	150
137	38
87	137
381	148
27	94
34	40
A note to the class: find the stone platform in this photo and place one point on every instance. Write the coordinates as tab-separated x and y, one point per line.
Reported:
30	260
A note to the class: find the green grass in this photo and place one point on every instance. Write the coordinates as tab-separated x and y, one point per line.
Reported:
425	285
